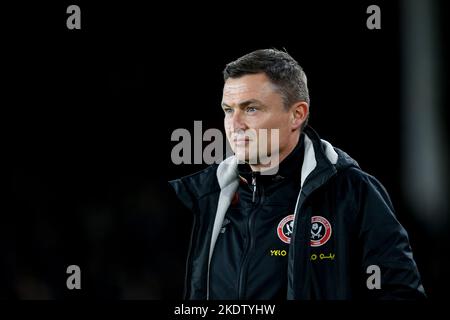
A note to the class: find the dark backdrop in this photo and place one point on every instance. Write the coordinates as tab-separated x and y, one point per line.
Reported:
88	116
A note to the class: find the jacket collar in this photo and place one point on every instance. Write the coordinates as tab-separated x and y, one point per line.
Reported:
290	167
319	156
318	166
321	161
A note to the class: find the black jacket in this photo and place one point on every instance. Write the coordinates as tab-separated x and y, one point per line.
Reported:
344	229
250	257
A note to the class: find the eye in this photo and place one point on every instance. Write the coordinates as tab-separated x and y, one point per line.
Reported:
251	109
228	110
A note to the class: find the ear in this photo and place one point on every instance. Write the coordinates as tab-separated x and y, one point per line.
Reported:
299	112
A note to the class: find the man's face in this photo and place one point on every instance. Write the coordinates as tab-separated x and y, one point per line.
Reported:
252	103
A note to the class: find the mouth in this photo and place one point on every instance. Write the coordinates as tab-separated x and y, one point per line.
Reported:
241	140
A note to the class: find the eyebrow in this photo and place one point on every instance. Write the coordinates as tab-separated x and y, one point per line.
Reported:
244	104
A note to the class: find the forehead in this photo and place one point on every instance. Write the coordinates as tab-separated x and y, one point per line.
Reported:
253	86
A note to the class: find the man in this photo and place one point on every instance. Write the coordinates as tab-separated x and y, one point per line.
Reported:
308	225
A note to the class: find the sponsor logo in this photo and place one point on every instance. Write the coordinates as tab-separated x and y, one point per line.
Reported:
276	253
322	256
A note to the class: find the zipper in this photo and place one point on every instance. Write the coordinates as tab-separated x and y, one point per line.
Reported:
297	210
243	270
254	187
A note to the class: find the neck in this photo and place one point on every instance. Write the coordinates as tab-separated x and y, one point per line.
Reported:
282	155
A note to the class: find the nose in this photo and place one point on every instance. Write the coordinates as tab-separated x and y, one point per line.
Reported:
237	122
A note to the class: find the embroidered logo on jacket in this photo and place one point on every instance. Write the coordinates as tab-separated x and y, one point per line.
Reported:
285	228
320	231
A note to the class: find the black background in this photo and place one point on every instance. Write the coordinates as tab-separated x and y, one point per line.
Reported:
88	116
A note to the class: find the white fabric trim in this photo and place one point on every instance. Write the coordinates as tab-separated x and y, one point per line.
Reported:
309	160
330	152
227	177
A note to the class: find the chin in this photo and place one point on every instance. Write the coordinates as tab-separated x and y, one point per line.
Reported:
241	155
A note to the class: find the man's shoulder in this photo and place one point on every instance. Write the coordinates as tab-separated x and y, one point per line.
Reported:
211	169
199	183
358	179
348	168
354	173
